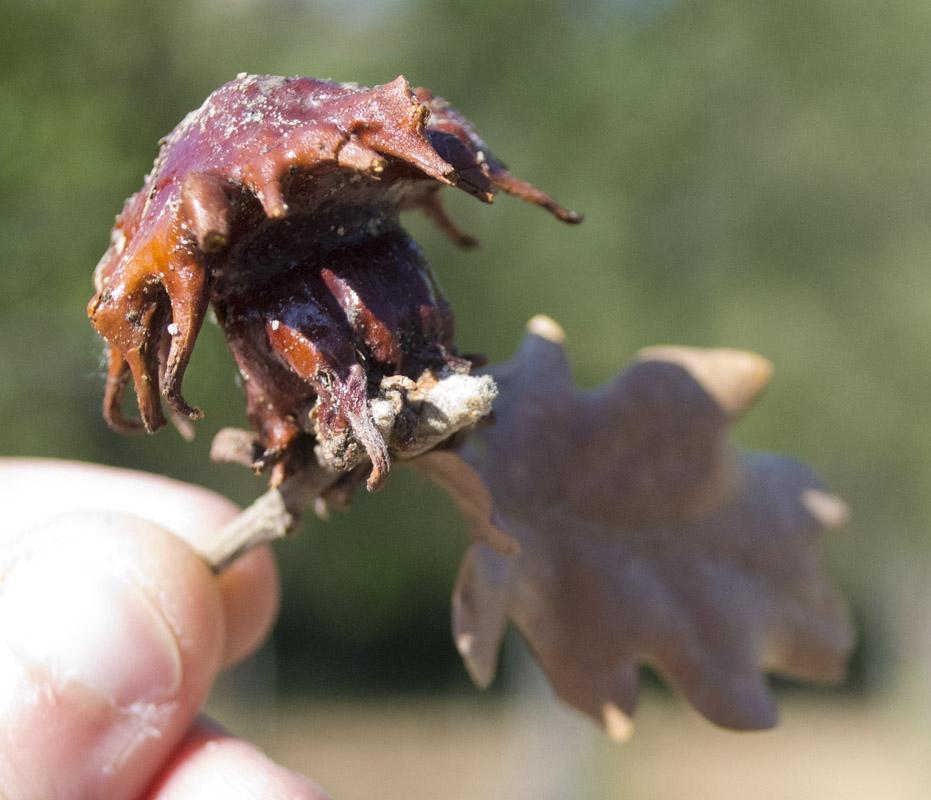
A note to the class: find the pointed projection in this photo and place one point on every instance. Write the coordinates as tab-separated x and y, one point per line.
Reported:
645	537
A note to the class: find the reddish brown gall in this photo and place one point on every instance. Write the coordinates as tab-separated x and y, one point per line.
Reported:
277	203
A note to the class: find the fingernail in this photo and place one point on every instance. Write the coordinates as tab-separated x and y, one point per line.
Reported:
86	620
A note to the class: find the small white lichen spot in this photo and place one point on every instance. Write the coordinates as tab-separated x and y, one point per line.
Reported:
384	413
275	324
173	329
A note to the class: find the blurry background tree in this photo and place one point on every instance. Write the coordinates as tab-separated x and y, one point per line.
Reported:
753	175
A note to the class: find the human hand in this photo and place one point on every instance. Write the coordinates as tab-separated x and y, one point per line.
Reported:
112	631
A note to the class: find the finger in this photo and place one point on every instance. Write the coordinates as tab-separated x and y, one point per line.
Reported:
39	489
210	763
111	633
250	590
34	490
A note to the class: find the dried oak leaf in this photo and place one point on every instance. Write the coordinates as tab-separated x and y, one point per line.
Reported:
645	537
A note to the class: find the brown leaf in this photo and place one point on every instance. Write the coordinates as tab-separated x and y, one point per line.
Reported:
646	537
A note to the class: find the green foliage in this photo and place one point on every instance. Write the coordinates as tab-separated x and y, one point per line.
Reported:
754	175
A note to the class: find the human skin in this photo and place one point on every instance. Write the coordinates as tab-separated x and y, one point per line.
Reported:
112	630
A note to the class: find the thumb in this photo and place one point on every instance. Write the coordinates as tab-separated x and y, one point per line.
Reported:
111	632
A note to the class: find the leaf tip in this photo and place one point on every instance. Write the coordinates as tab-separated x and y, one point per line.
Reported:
827	508
733	378
546	328
480	665
618	725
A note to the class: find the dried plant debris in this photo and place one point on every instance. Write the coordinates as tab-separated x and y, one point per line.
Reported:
646	537
277	202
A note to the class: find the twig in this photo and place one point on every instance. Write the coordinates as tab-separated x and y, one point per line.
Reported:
413	417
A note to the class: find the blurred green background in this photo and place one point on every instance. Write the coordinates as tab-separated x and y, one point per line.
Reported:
753	175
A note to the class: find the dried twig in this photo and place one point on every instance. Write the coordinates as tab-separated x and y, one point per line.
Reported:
414	417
